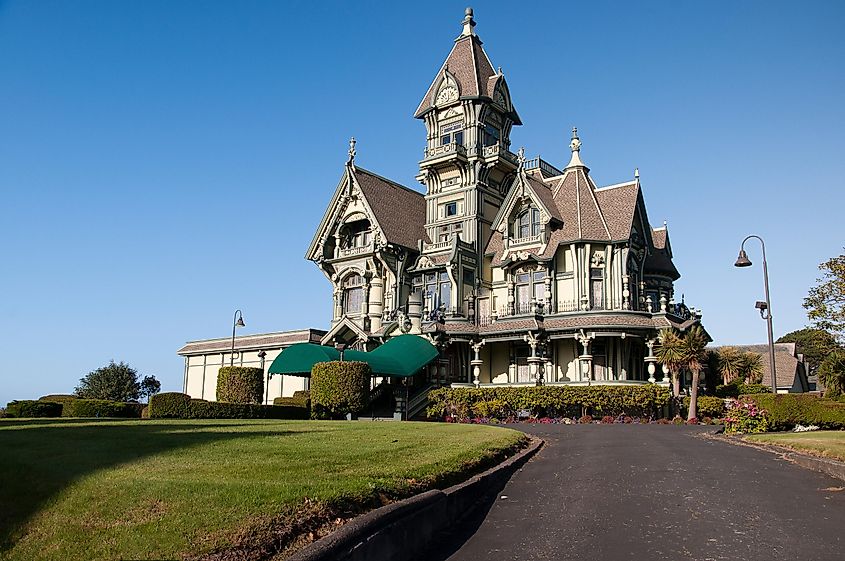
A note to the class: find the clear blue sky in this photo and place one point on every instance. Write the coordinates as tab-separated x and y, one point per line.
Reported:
163	163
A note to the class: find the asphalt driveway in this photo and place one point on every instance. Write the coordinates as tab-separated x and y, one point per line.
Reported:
612	492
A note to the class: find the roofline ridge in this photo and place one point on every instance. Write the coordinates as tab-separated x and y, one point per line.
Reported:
615	185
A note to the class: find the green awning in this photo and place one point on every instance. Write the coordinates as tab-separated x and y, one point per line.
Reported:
400	356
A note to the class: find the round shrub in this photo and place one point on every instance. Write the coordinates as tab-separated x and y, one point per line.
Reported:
832	374
339	388
169	405
31	408
240	384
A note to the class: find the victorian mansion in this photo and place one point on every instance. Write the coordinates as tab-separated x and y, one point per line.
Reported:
520	271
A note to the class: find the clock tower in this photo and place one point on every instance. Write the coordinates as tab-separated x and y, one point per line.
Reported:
467	168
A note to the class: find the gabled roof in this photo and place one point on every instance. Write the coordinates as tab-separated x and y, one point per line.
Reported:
536	190
790	371
399	212
659	259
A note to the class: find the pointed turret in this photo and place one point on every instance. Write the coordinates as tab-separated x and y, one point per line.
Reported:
575	146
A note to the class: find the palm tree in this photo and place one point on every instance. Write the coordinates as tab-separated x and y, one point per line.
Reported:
752	367
731	364
672	354
695	341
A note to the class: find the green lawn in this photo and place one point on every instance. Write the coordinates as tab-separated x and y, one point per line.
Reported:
84	489
830	444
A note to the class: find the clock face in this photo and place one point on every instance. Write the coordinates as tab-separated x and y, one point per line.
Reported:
447	94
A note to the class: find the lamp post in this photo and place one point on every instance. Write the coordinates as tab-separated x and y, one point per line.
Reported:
237	321
764	307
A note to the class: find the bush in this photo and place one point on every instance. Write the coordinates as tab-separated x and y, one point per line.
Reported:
495	408
784	411
339	388
553	401
101	408
832	374
586	419
181	406
240	384
32	408
64	399
707	406
169	405
299	399
744	416
738	388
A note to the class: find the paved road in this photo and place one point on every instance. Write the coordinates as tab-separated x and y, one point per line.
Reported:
618	492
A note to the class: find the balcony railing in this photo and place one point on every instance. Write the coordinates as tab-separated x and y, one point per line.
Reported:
351	251
437	245
444	150
542	165
526	240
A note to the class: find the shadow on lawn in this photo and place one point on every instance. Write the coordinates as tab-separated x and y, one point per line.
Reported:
42	458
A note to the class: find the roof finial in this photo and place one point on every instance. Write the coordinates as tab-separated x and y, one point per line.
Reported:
500	71
520	156
468	23
575	146
351	151
636	173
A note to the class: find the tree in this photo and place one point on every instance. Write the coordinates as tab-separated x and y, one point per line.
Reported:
752	367
149	387
825	303
695	341
730	362
671	353
832	374
814	344
117	382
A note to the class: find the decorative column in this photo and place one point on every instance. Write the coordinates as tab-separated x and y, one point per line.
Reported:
651	360
626	293
648	304
477	362
585	359
663	302
547	282
376	303
511	297
338	307
534	361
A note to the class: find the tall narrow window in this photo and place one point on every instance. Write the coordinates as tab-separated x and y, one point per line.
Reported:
529	286
353	295
435	289
491	135
596	285
527	223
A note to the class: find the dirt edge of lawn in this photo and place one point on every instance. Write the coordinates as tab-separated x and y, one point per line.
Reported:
280	536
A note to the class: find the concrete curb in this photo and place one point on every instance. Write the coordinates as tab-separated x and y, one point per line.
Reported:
398	531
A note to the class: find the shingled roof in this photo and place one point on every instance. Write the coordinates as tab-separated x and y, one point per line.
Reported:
471	68
399	211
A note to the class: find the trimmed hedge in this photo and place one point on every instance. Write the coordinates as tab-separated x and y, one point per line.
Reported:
240	384
173	405
101	408
707	406
33	408
784	411
299	399
339	388
169	405
549	401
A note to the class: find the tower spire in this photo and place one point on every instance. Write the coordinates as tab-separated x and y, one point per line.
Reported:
468	23
575	146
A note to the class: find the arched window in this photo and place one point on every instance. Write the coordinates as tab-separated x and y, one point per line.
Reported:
527	223
353	294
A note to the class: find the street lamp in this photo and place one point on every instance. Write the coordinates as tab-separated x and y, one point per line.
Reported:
237	321
764	307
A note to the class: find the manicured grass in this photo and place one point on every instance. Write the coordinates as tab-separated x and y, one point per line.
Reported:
830	444
77	489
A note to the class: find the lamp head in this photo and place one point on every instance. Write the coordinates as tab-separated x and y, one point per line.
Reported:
240	322
742	260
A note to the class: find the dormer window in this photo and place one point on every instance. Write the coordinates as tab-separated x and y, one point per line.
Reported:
452	134
356	234
527	223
